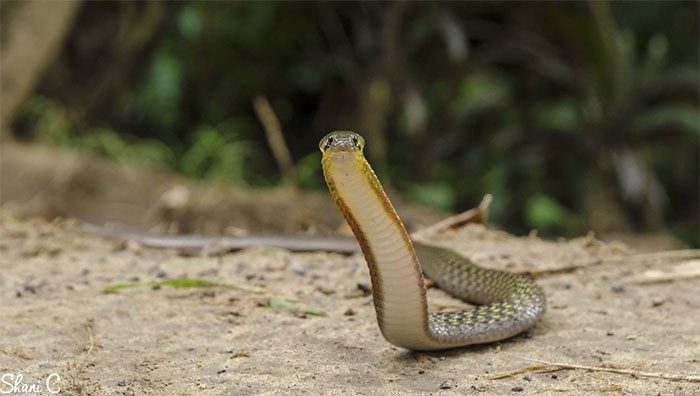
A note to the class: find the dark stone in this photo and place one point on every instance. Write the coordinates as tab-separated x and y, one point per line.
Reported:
445	385
366	290
618	289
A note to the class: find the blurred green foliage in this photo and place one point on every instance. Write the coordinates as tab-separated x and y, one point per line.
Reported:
575	115
215	156
57	126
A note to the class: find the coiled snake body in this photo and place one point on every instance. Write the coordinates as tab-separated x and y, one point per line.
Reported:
509	303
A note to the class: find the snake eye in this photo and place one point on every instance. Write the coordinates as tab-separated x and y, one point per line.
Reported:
355	141
329	142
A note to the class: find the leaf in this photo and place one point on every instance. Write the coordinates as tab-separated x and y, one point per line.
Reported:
681	116
281	304
182	283
544	212
437	195
558	116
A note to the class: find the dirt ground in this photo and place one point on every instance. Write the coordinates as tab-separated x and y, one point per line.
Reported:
276	322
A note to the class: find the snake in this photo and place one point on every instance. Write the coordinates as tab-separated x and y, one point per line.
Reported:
506	304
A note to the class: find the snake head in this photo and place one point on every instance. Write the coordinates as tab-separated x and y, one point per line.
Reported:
341	141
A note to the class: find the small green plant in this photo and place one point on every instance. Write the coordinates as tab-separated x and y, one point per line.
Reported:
217	157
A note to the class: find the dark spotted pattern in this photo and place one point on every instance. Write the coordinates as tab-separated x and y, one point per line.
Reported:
509	303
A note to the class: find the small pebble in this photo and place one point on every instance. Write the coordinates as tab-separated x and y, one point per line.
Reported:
554	376
445	385
349	312
421	371
300	271
366	290
517	389
325	290
610	333
221	371
618	289
658	301
527	378
121	383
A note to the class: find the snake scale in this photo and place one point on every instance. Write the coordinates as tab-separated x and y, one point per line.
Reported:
507	303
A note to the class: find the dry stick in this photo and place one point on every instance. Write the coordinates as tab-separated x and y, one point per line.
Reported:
686	270
540	368
681	254
670	377
476	215
275	138
671	255
17	351
91	337
608	389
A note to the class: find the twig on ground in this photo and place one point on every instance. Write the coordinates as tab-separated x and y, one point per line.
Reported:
668	256
479	215
89	325
536	368
17	351
634	373
686	270
275	137
608	389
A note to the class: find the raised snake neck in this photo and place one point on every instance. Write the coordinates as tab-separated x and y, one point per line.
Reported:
509	303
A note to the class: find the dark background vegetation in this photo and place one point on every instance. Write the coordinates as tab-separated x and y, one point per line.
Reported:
575	115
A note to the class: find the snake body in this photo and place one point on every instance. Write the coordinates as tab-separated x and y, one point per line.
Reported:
508	303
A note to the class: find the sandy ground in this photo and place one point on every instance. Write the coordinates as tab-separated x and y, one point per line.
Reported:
278	322
219	340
